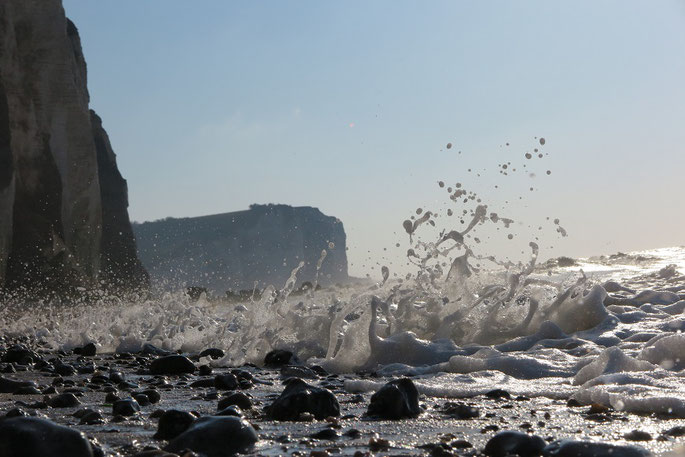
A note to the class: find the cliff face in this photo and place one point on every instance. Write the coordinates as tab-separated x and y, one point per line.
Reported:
233	250
51	200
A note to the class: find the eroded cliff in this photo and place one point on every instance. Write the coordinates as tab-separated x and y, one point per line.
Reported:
55	186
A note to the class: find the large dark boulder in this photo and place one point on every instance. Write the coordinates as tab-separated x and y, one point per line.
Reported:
33	437
216	436
299	397
397	399
172	364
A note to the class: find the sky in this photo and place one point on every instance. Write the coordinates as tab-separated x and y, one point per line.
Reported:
349	106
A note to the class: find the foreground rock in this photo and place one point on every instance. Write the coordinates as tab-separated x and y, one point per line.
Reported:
216	436
397	399
172	423
32	437
298	398
591	449
514	443
172	364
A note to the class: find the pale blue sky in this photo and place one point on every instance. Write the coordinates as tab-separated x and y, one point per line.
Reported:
347	106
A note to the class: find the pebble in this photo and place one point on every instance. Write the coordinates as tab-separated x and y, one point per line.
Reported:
298	397
214	353
216	436
397	399
236	398
226	382
512	442
172	423
569	448
638	435
278	358
66	400
34	437
126	407
172	364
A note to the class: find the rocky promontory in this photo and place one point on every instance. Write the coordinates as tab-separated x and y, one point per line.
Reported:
63	204
232	251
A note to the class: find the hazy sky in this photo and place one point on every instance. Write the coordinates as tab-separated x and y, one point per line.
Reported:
348	106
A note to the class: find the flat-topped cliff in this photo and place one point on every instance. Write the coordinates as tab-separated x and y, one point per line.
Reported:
233	250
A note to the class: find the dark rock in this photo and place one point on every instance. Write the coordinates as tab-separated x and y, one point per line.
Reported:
397	399
299	397
153	395
460	410
498	394
64	369
142	399
92	418
172	364
326	434
591	449
232	410
214	353
207	382
216	436
125	407
89	350
236	398
172	423
33	437
514	443
675	431
27	390
205	370
295	371
226	382
20	355
117	376
65	400
16	412
638	435
279	357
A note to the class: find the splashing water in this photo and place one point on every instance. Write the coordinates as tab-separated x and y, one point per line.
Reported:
462	311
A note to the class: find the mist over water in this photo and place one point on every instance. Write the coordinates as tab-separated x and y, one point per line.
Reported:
602	330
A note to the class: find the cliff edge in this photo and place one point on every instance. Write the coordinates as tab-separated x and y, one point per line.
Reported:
63	203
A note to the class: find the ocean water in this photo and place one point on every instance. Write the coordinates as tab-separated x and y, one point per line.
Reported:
606	330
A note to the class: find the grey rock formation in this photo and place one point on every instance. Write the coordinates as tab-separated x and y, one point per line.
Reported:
233	250
51	199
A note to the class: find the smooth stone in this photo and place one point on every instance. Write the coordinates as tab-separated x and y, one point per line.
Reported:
397	399
216	436
66	400
207	382
568	448
172	364
126	407
514	443
232	410
92	418
89	350
460	410
214	353
172	423
27	390
236	398
20	355
299	397
9	386
226	382
279	357
33	437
